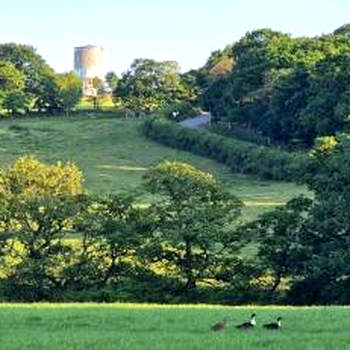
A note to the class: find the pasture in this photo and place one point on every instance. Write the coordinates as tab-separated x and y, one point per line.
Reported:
156	327
113	155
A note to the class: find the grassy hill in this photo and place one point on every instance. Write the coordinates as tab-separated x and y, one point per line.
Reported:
114	155
152	327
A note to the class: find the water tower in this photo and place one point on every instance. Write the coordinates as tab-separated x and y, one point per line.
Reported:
88	64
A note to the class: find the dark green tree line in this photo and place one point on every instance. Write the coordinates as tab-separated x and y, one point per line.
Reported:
285	88
29	84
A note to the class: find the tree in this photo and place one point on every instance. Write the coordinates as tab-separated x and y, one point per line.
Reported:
308	241
15	102
327	227
291	90
28	177
289	99
112	80
99	91
191	234
12	82
280	237
33	253
212	80
329	86
149	85
39	76
343	30
112	231
10	77
69	90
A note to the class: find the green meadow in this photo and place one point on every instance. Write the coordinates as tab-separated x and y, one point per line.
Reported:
113	155
156	327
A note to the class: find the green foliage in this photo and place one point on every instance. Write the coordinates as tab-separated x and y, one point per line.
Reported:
112	80
37	260
29	84
33	253
213	78
149	85
328	226
12	82
93	142
191	233
112	230
39	76
220	58
10	77
16	102
289	89
183	241
307	242
343	30
241	157
27	176
69	90
280	238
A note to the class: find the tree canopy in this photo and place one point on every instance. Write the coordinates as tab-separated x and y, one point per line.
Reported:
27	82
150	85
193	218
282	87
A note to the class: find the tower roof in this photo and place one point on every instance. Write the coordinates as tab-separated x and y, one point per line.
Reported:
86	47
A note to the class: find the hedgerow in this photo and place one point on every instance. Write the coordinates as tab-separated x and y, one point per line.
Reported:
241	157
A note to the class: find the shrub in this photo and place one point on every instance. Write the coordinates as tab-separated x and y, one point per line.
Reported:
27	176
242	157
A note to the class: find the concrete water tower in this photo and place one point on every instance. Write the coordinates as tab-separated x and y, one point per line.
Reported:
88	64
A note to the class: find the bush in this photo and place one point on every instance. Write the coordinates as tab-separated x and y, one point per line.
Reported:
27	176
242	157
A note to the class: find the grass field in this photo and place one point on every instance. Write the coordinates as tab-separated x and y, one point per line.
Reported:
146	327
114	155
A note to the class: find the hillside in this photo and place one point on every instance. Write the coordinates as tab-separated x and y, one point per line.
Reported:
114	155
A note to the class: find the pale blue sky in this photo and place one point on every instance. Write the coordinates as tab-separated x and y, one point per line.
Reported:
183	30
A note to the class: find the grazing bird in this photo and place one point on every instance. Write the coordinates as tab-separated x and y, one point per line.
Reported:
248	325
274	325
220	325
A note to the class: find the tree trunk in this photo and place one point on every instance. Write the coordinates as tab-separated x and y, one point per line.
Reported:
191	282
276	284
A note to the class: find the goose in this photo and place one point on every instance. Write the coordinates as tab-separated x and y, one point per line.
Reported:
248	325
220	325
274	325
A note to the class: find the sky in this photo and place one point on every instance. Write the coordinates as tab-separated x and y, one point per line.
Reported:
186	31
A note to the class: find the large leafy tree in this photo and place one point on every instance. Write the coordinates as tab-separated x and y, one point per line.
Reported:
192	234
12	83
280	236
289	89
150	85
213	81
10	77
307	242
113	229
112	80
39	76
327	228
33	252
69	90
